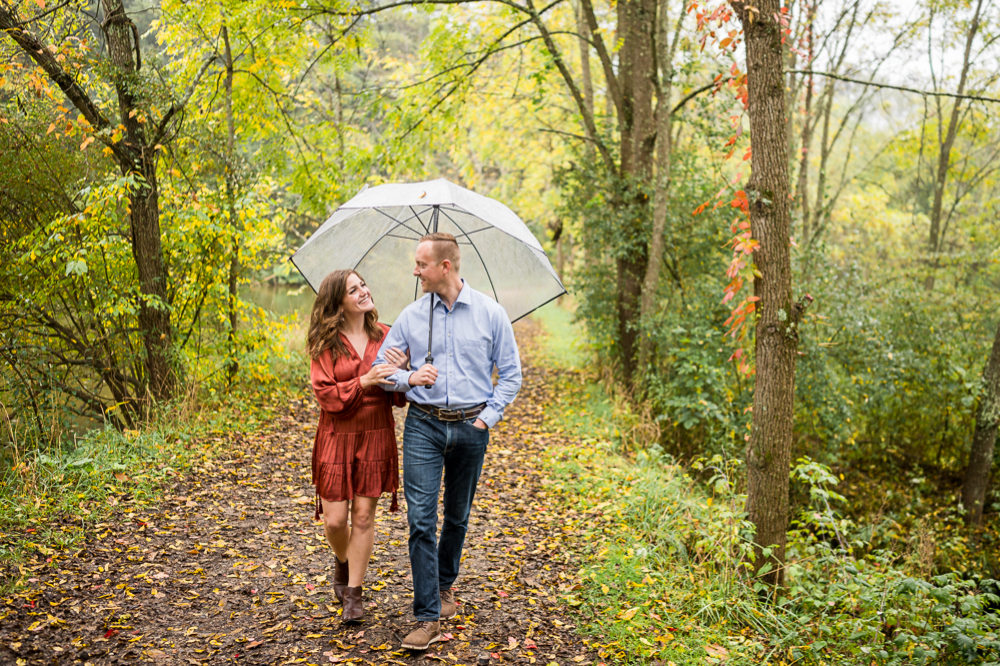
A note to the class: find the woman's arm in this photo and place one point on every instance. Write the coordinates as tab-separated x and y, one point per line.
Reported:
339	398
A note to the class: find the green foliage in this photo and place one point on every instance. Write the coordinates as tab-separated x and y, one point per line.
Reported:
667	577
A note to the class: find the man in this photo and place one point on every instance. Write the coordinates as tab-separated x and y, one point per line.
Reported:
453	404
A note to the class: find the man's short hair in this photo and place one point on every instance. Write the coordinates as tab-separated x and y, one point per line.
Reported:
445	247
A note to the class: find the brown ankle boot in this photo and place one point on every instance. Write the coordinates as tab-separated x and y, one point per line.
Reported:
341	576
354	610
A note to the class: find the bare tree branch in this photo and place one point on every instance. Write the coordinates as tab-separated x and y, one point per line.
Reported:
926	93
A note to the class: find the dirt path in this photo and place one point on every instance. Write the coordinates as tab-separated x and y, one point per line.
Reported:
232	568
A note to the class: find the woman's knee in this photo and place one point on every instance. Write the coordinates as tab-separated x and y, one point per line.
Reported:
335	520
363	515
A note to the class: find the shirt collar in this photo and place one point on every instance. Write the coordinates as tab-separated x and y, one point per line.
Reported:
464	296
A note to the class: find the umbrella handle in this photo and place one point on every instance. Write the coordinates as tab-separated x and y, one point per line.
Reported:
430	339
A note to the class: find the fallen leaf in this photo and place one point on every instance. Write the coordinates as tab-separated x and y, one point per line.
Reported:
715	650
629	614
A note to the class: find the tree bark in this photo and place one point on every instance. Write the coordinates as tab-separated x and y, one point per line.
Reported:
636	123
802	189
944	154
154	312
585	77
769	451
664	68
977	474
233	365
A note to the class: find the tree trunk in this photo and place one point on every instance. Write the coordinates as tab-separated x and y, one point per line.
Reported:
661	193
944	154
232	364
154	313
977	474
636	122
585	77
769	450
802	189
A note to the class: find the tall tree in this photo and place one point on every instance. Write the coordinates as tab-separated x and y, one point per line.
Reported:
947	143
136	155
977	474
769	450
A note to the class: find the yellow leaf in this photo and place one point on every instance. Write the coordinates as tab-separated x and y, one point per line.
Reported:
605	589
709	501
630	613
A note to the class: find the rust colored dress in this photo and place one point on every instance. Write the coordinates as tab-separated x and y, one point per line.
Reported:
355	448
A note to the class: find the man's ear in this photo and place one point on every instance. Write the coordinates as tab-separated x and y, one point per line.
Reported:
446	266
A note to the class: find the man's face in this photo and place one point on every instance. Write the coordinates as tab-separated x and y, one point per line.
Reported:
431	273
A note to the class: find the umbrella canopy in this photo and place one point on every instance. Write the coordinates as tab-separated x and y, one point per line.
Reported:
376	233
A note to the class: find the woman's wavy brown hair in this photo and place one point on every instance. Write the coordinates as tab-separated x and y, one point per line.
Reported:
328	317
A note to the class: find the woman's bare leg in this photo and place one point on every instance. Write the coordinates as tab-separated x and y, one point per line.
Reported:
359	550
338	534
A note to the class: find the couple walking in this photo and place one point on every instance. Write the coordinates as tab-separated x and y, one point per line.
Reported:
360	368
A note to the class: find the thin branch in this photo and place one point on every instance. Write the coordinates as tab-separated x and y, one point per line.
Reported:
178	106
926	93
602	53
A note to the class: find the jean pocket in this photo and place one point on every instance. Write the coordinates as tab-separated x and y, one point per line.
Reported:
416	413
470	422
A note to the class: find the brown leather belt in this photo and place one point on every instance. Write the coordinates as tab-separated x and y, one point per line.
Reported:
451	415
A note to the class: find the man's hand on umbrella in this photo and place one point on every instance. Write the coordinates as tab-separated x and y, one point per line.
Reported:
425	376
398	358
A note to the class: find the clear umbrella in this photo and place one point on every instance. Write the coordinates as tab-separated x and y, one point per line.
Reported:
376	233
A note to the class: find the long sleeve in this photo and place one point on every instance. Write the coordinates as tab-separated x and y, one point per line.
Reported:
396	337
341	399
508	363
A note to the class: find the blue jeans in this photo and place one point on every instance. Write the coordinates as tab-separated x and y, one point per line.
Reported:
432	448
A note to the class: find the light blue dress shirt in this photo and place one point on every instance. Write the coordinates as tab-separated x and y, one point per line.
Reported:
469	340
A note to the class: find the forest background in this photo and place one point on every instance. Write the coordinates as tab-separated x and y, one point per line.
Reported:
160	160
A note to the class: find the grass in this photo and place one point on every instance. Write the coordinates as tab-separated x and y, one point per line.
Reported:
664	581
647	593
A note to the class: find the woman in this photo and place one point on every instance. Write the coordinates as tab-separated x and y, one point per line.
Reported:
354	455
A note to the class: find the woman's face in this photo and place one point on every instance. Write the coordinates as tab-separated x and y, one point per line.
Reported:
358	299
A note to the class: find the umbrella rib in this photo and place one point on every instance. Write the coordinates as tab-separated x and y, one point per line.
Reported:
506	233
427	229
478	254
402	223
398	223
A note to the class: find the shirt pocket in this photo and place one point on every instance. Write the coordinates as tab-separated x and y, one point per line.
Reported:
474	352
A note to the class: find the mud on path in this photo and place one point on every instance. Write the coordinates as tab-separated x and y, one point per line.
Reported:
231	568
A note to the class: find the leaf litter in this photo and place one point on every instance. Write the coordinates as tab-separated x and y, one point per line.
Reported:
231	568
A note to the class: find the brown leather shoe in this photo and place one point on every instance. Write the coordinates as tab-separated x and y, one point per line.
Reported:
422	637
341	576
354	609
448	606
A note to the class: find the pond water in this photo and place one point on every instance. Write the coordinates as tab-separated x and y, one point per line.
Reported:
282	299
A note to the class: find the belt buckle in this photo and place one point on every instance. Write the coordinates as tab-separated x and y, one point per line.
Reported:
450	415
